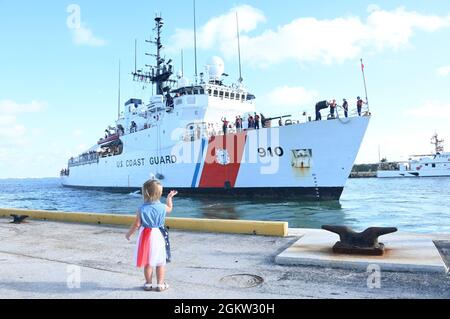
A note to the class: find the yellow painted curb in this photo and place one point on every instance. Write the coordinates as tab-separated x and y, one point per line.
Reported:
88	218
279	229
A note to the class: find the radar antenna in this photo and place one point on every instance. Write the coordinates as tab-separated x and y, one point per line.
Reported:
161	73
438	144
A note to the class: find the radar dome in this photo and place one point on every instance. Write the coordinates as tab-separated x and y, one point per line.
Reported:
216	68
183	82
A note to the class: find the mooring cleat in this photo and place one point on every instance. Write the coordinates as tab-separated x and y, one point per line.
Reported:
364	243
18	219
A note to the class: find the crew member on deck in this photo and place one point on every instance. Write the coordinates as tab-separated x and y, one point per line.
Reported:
238	124
320	106
345	107
133	128
257	121
169	100
225	126
359	105
251	122
332	108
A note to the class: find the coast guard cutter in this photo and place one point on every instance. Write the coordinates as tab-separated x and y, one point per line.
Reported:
178	137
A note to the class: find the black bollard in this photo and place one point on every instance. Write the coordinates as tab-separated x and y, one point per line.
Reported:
364	243
18	219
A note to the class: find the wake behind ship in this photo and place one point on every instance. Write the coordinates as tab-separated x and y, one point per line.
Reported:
207	138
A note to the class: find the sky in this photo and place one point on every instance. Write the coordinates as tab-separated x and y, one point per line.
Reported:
59	67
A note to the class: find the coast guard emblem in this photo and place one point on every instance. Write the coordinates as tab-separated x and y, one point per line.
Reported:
222	156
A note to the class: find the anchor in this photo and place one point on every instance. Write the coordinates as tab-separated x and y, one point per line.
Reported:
18	219
364	243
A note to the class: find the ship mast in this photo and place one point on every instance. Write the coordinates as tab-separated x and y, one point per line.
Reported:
438	144
161	73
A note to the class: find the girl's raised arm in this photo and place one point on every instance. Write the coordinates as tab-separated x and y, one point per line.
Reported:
169	201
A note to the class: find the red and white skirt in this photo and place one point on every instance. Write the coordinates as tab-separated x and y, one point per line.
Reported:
151	248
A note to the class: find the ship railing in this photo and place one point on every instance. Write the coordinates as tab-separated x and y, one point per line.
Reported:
79	161
393	166
352	112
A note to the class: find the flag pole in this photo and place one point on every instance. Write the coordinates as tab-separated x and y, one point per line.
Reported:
365	85
118	95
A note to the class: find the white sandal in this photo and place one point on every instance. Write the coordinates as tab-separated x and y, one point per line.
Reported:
148	287
163	287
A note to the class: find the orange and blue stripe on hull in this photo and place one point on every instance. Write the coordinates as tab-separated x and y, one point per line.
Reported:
223	174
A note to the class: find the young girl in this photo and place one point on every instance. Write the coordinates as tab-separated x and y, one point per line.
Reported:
151	246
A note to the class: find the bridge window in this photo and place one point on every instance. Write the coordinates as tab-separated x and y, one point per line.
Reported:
232	96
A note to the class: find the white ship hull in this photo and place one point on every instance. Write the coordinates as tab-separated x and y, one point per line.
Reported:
434	165
414	174
310	160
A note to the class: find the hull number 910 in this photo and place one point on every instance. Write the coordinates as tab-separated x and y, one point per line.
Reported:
269	151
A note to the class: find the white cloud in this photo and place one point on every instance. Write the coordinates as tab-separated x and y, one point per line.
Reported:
432	109
443	70
77	133
11	107
7	120
11	131
292	96
84	36
312	39
219	31
15	131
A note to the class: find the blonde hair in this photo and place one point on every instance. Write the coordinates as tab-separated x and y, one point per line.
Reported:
152	191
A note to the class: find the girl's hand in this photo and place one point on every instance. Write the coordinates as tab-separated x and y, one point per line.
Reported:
128	236
172	194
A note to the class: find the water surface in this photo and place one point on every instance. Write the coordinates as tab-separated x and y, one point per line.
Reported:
418	205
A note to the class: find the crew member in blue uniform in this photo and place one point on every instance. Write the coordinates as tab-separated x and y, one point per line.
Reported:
320	106
359	105
345	107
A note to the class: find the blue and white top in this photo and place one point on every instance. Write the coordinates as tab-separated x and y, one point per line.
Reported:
153	214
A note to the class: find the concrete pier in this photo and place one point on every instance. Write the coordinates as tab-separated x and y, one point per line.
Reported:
404	253
42	259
